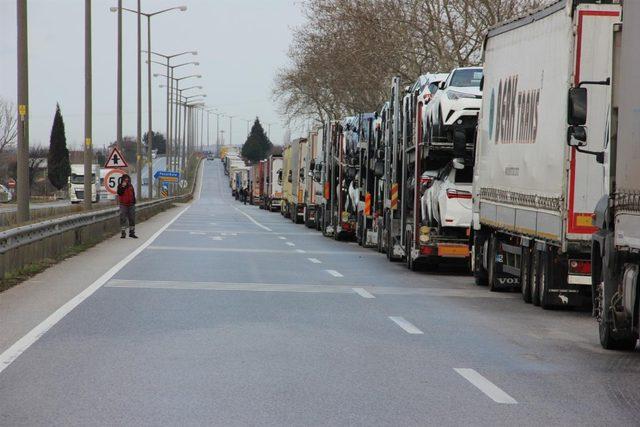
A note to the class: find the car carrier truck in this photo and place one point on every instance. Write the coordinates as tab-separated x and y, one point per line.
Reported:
616	245
312	182
534	190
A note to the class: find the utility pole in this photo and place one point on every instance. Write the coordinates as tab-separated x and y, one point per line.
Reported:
150	131
167	147
139	161
119	80
22	177
88	150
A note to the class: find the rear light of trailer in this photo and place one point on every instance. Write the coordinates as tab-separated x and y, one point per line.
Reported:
579	266
427	250
458	194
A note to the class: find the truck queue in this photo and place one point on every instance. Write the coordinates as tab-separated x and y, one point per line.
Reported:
486	167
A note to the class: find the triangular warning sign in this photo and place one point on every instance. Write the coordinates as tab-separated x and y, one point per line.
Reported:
116	160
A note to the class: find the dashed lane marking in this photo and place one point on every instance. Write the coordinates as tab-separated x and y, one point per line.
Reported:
315	260
406	325
282	238
290	244
484	385
334	273
301	251
363	293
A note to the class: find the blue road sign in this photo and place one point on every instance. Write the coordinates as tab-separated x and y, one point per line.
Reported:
167	175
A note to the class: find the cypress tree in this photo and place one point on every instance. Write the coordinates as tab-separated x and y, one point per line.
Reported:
58	165
257	146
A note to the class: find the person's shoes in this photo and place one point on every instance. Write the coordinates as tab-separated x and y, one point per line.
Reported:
133	235
123	235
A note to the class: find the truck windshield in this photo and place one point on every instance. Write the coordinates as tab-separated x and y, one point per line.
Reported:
79	179
466	78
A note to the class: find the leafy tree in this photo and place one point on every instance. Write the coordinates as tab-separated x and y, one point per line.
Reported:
58	157
159	142
257	146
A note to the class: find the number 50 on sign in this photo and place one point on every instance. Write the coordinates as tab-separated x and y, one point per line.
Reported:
112	179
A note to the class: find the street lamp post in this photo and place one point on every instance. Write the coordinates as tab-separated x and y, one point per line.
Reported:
23	121
231	130
149	100
88	151
169	86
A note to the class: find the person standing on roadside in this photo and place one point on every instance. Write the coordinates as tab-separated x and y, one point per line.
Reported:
127	204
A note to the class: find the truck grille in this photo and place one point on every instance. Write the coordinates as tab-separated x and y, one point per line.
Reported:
80	194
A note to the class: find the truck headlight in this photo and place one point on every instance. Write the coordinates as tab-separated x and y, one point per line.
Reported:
454	94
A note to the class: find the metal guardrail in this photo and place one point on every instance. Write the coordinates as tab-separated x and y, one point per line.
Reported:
31	243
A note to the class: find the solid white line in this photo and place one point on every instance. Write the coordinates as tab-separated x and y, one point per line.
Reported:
20	346
291	244
363	293
485	386
315	260
406	325
300	251
334	273
252	220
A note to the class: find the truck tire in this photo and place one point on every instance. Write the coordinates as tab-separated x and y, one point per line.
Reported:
525	275
610	339
479	273
491	263
534	277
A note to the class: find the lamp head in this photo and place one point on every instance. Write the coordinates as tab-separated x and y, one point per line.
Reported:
113	9
182	8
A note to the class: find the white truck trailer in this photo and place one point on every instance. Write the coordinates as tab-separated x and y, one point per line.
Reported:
616	245
534	194
273	191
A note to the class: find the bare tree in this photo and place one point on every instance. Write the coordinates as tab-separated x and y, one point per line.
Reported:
8	125
343	57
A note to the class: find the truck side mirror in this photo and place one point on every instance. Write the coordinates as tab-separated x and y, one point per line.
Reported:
442	85
289	176
577	136
312	165
482	83
577	114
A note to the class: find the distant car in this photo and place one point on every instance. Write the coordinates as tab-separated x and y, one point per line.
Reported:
5	194
455	106
154	154
447	201
210	157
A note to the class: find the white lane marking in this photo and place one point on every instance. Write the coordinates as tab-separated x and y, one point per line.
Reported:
363	293
290	244
315	260
301	251
252	220
199	233
334	273
282	238
20	346
406	325
485	386
218	238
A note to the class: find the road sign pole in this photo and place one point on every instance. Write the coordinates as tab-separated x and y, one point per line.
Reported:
23	113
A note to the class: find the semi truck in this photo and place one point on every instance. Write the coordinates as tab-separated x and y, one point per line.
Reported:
273	183
615	254
298	178
534	190
436	177
312	182
76	183
285	177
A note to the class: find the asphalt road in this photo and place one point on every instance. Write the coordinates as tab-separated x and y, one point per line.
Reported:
236	316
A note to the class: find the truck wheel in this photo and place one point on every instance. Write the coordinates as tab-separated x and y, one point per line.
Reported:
546	278
491	263
479	273
525	275
609	339
534	277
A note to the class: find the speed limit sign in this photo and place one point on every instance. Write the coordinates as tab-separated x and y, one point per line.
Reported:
111	180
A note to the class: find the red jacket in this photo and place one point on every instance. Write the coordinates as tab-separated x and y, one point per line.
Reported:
126	195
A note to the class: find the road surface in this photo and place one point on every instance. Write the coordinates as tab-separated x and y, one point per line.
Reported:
231	315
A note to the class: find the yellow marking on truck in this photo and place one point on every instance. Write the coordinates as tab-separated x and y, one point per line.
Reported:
453	250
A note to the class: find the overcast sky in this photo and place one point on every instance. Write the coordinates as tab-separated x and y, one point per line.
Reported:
240	44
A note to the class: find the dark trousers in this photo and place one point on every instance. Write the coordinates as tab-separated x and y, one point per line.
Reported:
128	214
